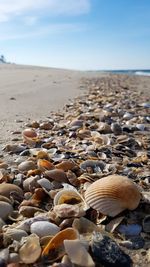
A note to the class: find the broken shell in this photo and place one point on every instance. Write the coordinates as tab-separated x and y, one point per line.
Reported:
56	243
44	228
6	189
68	211
113	194
57	175
14	234
30	251
77	253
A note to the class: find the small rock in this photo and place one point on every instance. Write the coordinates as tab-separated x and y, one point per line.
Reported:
5	210
107	252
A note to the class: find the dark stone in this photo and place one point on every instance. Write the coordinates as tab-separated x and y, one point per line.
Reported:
107	252
2	263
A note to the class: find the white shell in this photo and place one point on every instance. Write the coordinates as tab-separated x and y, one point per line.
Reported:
44	228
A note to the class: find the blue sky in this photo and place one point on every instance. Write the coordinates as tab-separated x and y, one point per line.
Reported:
76	34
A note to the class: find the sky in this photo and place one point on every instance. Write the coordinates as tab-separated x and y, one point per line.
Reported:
76	34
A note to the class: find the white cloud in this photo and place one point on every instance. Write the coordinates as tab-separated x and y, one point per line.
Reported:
12	8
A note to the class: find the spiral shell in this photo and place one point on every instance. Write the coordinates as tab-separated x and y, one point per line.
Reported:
113	194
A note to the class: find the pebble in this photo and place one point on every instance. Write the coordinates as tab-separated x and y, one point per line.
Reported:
44	228
108	253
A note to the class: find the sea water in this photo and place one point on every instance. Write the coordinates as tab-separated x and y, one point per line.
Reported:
145	72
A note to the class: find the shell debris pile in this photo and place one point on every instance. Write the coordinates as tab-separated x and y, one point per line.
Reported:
78	183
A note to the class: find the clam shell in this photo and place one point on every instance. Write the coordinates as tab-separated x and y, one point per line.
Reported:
67	196
113	194
29	136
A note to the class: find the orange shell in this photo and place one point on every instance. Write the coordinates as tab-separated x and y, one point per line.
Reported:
113	194
57	240
29	133
44	164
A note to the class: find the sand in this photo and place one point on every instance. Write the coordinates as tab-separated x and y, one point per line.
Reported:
31	93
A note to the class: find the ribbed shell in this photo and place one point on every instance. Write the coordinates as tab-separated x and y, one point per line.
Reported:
113	194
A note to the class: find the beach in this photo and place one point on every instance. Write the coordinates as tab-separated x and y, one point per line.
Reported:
62	131
32	93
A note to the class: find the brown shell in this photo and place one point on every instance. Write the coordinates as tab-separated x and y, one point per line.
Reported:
113	194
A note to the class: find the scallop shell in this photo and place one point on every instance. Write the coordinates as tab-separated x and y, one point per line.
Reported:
113	194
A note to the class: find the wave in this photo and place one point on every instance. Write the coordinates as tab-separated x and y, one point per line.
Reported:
143	73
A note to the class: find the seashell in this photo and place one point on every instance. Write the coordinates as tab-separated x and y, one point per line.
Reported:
26	166
68	211
84	133
14	234
44	165
29	135
56	243
113	194
104	128
45	183
95	165
116	128
57	175
5	199
14	148
35	151
77	123
42	155
30	251
28	211
146	224
31	183
127	116
46	125
66	165
145	105
67	196
77	253
44	228
5	210
6	189
84	226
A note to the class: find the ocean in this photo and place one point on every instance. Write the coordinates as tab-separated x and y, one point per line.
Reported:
132	72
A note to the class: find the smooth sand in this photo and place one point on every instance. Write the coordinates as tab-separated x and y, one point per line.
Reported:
31	93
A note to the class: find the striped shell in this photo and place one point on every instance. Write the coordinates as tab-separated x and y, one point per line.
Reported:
113	194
